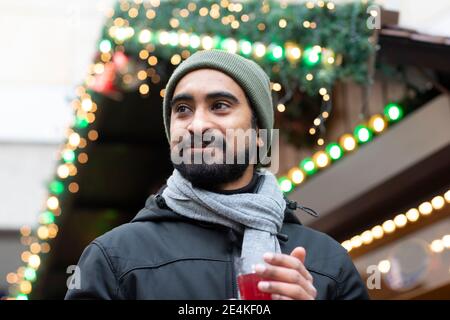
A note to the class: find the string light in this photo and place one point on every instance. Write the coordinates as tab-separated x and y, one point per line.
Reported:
207	42
145	36
312	56
282	23
245	47
281	107
367	237
363	134
310	5
334	151
272	51
296	175
377	232
52	203
230	45
446	241
105	46
194	41
285	184
68	155
184	39
412	215
437	246
388	226
437	203
348	142
331	6
276	87
144	89
42	232
447	196
393	112
73	187
276	52
34	261
321	159
56	187
399	221
293	52
30	274
74	139
259	49
384	266
377	123
425	208
308	166
46	217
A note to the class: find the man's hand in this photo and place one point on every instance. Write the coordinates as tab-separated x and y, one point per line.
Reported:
286	276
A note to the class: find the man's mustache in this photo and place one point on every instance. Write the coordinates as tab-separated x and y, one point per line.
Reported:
197	141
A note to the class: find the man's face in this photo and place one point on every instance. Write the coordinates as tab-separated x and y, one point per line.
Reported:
207	103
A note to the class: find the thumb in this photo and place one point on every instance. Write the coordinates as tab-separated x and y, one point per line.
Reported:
299	253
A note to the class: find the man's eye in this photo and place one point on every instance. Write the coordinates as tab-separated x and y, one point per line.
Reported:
181	109
219	106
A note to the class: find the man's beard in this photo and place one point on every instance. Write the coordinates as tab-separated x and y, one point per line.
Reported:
211	176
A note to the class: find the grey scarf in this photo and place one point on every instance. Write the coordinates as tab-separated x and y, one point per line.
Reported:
259	216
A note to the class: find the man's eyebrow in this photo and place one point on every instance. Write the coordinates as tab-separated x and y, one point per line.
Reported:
181	96
209	96
222	94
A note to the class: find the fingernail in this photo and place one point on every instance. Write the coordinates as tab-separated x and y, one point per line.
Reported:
268	255
263	285
260	268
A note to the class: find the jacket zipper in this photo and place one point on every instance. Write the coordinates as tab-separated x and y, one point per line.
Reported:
233	277
233	271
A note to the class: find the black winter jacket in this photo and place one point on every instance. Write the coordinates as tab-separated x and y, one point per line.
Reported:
163	255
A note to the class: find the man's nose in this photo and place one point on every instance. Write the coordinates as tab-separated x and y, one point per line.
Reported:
201	122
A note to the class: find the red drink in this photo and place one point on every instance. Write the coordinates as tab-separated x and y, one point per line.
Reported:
248	287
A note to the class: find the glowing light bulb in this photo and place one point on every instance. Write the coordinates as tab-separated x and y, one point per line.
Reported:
259	49
52	203
425	208
145	36
321	159
384	266
296	175
347	142
285	184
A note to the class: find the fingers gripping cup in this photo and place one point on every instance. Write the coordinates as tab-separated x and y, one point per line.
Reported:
248	279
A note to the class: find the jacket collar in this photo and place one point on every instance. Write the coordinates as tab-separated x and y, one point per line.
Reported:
156	209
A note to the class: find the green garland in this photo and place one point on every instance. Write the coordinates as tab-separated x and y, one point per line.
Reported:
302	47
341	30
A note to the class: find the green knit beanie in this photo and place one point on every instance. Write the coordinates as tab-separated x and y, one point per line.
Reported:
250	77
